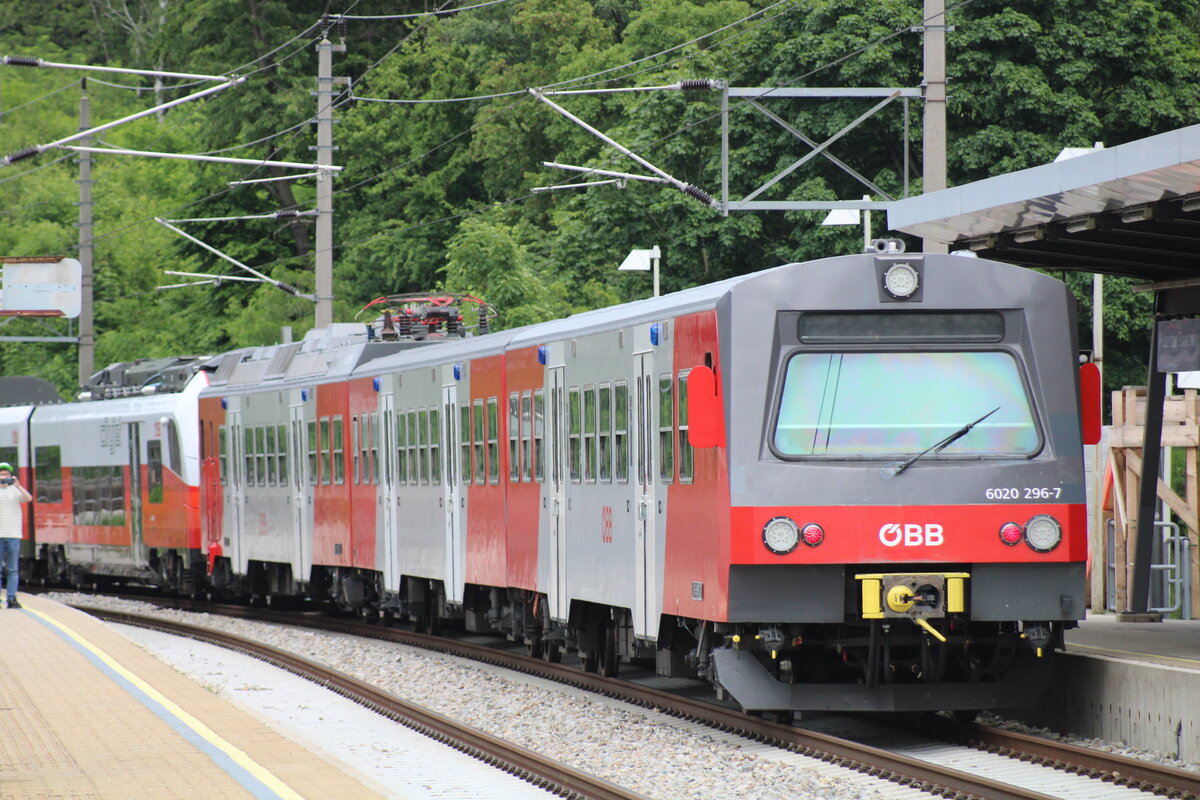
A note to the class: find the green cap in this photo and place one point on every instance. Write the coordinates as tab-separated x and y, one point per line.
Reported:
6	465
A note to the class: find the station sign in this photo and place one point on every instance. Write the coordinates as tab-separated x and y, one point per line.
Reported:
40	286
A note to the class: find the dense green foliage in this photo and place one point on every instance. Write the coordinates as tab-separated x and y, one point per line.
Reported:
438	194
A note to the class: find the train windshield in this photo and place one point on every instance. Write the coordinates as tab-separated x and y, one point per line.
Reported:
889	404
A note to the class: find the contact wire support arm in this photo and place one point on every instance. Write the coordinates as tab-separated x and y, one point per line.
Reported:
694	192
292	290
30	152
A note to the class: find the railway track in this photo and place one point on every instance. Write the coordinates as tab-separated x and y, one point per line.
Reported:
526	764
1108	769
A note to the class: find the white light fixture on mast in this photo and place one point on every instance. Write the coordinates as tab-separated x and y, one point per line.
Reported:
642	261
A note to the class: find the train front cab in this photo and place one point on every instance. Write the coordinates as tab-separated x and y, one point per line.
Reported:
908	529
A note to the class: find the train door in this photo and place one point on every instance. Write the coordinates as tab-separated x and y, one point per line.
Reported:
237	475
644	546
137	541
453	497
387	489
298	489
560	602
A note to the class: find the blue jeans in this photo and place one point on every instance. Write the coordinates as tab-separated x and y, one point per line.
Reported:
10	562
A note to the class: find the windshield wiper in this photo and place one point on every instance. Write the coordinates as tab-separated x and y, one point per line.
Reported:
938	447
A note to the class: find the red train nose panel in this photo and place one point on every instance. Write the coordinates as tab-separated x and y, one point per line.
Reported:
865	534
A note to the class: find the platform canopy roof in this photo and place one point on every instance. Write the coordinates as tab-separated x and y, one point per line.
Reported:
1133	209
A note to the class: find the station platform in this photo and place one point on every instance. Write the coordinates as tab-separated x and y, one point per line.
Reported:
1132	682
85	713
1172	642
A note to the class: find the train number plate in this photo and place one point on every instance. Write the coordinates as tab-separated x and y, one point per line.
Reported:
1023	493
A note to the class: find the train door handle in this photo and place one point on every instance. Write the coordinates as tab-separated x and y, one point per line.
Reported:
642	511
441	502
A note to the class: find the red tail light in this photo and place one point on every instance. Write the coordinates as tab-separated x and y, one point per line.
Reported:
812	534
1010	533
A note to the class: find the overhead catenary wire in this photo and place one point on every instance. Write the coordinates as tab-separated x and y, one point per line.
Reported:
6	111
467	131
439	13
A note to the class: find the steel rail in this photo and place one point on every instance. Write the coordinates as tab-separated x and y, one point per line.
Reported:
524	763
1148	776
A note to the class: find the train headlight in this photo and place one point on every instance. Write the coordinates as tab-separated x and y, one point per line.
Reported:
1043	533
781	535
1011	533
901	280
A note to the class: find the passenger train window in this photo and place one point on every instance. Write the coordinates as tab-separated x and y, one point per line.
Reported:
605	410
98	495
435	449
281	453
314	447
248	454
589	434
357	447
222	454
376	467
666	429
493	440
514	437
539	435
686	453
269	455
526	437
174	456
154	471
640	403
414	476
401	448
621	431
47	473
464	440
478	440
385	426
339	451
324	451
260	454
423	439
574	432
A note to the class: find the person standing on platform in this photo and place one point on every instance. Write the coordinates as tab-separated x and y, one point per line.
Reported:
12	529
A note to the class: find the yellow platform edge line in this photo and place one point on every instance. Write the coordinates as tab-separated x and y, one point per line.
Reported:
234	753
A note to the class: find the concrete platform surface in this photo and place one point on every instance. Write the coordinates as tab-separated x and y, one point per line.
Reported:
86	713
1171	642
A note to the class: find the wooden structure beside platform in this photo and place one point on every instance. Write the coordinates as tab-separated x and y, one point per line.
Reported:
1123	475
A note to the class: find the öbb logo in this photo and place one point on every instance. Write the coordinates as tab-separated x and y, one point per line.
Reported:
911	534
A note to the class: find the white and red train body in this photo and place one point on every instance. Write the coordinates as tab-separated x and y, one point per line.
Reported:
770	482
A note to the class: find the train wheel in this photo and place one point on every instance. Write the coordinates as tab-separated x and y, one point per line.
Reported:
535	643
552	652
388	616
610	662
589	660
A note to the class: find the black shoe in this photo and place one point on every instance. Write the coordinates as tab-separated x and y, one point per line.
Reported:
13	603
